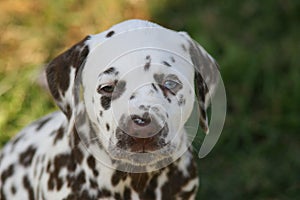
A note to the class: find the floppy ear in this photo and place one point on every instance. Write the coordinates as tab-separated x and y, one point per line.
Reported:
61	73
206	78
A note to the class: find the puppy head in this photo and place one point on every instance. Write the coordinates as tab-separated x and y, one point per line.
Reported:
137	81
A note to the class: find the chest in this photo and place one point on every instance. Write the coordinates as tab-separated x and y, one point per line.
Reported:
86	178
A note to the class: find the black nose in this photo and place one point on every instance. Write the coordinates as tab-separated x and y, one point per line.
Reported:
141	120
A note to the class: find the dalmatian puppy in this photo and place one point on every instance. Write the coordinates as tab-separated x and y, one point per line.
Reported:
124	95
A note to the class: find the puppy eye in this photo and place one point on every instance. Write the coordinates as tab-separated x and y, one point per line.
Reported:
106	89
170	85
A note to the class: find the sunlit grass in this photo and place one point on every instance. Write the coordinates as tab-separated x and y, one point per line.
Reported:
33	33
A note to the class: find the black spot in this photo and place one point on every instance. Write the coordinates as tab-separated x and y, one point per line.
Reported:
110	33
147	66
93	184
28	187
183	47
148	63
172	59
13	189
105	102
101	113
26	157
7	173
70	197
2	195
91	162
127	193
76	139
104	193
154	87
77	155
169	100
166	63
117	177
76	195
68	111
59	134
48	166
117	196
41	123
107	127
17	139
109	70
92	165
132	97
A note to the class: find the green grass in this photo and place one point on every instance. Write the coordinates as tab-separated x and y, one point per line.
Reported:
255	42
257	47
21	100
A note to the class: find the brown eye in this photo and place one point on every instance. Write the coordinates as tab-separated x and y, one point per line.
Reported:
106	89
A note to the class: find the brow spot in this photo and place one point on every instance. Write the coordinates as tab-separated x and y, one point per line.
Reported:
109	70
172	59
166	63
110	33
107	127
148	63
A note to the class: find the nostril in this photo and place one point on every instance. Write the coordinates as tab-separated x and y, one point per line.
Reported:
141	121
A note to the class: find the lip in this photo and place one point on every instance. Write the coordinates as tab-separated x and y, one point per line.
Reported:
140	158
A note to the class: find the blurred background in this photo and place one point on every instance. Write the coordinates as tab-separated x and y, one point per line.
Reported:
256	43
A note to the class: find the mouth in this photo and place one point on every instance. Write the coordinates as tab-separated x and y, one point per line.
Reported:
152	144
141	151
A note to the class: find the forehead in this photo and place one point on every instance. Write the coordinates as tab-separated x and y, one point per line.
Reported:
129	50
143	63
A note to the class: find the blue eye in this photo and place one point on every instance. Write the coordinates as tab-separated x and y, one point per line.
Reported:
169	84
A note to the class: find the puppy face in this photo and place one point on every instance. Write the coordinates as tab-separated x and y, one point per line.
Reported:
137	81
141	103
